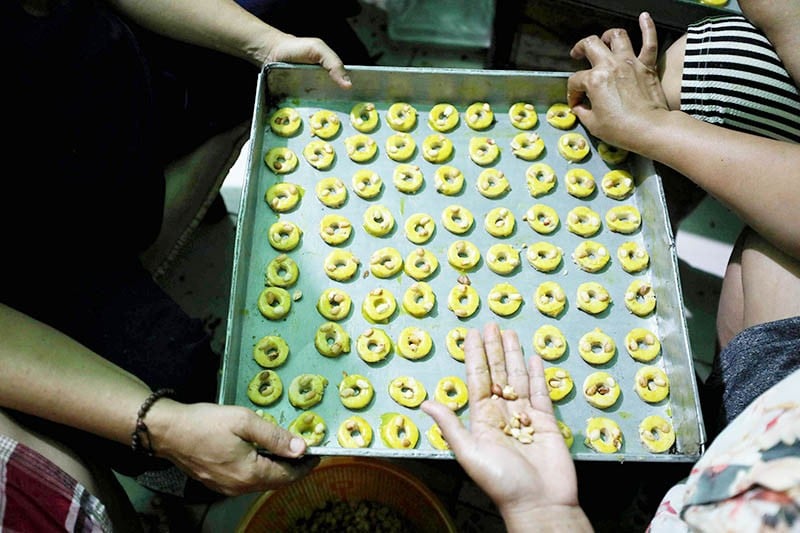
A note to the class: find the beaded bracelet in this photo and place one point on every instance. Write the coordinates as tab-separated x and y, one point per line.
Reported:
138	443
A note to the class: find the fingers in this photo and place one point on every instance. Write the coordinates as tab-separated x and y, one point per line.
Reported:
278	472
479	381
648	56
331	62
591	48
493	344
617	41
515	363
576	88
457	436
540	397
271	437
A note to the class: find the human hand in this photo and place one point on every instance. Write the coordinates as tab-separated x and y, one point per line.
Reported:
525	480
623	90
310	50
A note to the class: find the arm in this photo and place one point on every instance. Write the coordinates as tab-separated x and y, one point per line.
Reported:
779	20
46	374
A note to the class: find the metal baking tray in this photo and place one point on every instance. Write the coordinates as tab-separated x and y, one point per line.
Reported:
308	89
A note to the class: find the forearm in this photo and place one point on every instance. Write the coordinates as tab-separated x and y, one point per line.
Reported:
547	519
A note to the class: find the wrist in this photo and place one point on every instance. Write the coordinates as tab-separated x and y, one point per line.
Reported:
262	49
545	518
153	429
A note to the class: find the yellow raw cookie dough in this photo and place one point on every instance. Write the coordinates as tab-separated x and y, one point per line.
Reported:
479	116
527	146
580	182
623	219
274	303
437	148
378	220
455	343
332	340
633	257
282	272
354	432
265	388
307	390
355	391
492	183
499	222
319	154
443	118
502	259
617	184
436	438
271	351
611	154
340	265
573	147
379	305
360	148
408	178
463	255
398	431
280	160
310	427
601	390
331	192
335	229
385	263
324	124
407	391
523	115
590	256
267	416
367	184
452	392
541	218
285	122
448	180
657	434
603	435
549	342
284	235
540	178
414	343
504	299
550	298
640	298
373	345
642	345
583	221
400	146
419	299
283	197
463	301
419	228
544	256
559	382
401	116
596	348
457	219
364	117
592	298
651	384
334	304
420	264
566	432
483	150
561	116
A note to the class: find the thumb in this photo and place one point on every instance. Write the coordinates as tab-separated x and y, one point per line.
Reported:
457	436
273	438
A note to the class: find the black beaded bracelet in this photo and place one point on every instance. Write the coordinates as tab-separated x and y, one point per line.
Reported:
140	438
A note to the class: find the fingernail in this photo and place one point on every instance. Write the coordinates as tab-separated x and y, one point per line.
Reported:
297	445
346	78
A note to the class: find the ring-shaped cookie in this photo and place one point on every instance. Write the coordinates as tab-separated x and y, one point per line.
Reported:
463	300
360	148
549	342
523	116
274	303
601	390
580	182
355	391
270	351
603	435
265	388
340	265
451	391
408	178
310	427
541	218
502	259
367	184
463	255
483	150
378	220
544	256
640	298
436	438
623	219
284	235
267	416
400	146
407	391
633	257
492	183
282	272
448	180
419	228
583	221
596	348
479	116
617	184
331	192
285	122
324	124
651	384
419	299
573	147
499	222
331	340
379	305
457	219
354	432
504	299
540	178
443	118
398	431
455	342
592	298
280	160
437	148
335	229
527	146
319	154
420	264
612	155
550	298
307	390
401	116
590	256
560	116
559	382
385	263
642	345
334	304
566	432
414	343
373	345
656	434
364	117
283	197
